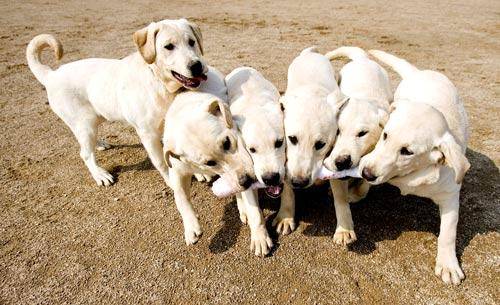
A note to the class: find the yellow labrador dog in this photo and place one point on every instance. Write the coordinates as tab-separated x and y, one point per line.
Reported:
360	122
254	104
310	126
422	150
136	89
200	138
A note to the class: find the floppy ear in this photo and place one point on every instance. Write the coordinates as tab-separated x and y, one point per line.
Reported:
383	117
217	107
197	34
336	100
428	175
453	156
145	42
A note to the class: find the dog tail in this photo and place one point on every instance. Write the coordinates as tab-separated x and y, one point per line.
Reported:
350	52
401	66
35	48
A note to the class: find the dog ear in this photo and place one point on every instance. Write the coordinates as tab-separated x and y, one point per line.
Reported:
383	117
197	33
453	156
336	100
218	107
145	40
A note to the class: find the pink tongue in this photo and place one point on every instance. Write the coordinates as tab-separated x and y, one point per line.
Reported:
273	191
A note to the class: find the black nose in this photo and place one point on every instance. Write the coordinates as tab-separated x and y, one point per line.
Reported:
272	179
368	175
343	162
300	182
246	181
196	69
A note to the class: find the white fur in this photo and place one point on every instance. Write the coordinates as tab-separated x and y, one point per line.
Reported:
368	87
311	94
429	121
84	93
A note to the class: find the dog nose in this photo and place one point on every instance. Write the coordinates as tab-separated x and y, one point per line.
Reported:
300	182
368	175
246	181
196	69
343	162
272	179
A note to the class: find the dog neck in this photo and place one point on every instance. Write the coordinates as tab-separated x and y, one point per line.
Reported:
171	85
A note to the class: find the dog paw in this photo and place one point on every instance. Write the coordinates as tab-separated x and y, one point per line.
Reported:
343	237
192	234
102	177
284	225
449	270
102	145
260	243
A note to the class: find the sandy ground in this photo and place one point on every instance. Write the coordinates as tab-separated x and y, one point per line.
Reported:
65	240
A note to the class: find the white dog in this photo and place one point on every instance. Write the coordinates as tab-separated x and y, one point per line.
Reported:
422	150
310	126
200	138
137	89
254	104
360	122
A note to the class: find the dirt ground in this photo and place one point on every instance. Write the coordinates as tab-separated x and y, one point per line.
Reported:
64	240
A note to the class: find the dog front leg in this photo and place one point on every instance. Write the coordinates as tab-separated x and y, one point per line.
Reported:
447	266
181	184
344	233
260	242
152	143
284	220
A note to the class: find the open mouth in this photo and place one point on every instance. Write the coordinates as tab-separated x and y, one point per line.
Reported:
274	191
189	82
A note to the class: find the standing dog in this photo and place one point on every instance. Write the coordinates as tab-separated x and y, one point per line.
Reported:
254	103
422	150
200	138
137	89
360	122
310	126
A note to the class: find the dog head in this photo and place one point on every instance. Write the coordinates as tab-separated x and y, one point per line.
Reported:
175	49
415	138
310	128
199	132
360	123
264	135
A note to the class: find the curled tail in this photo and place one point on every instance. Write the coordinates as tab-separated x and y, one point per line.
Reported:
350	52
35	48
401	66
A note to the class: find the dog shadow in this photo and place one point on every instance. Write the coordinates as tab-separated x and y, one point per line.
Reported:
385	214
227	236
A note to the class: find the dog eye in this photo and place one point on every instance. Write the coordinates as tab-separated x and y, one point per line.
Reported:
169	47
405	151
252	150
384	136
278	143
211	163
191	42
362	133
227	144
293	140
319	145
